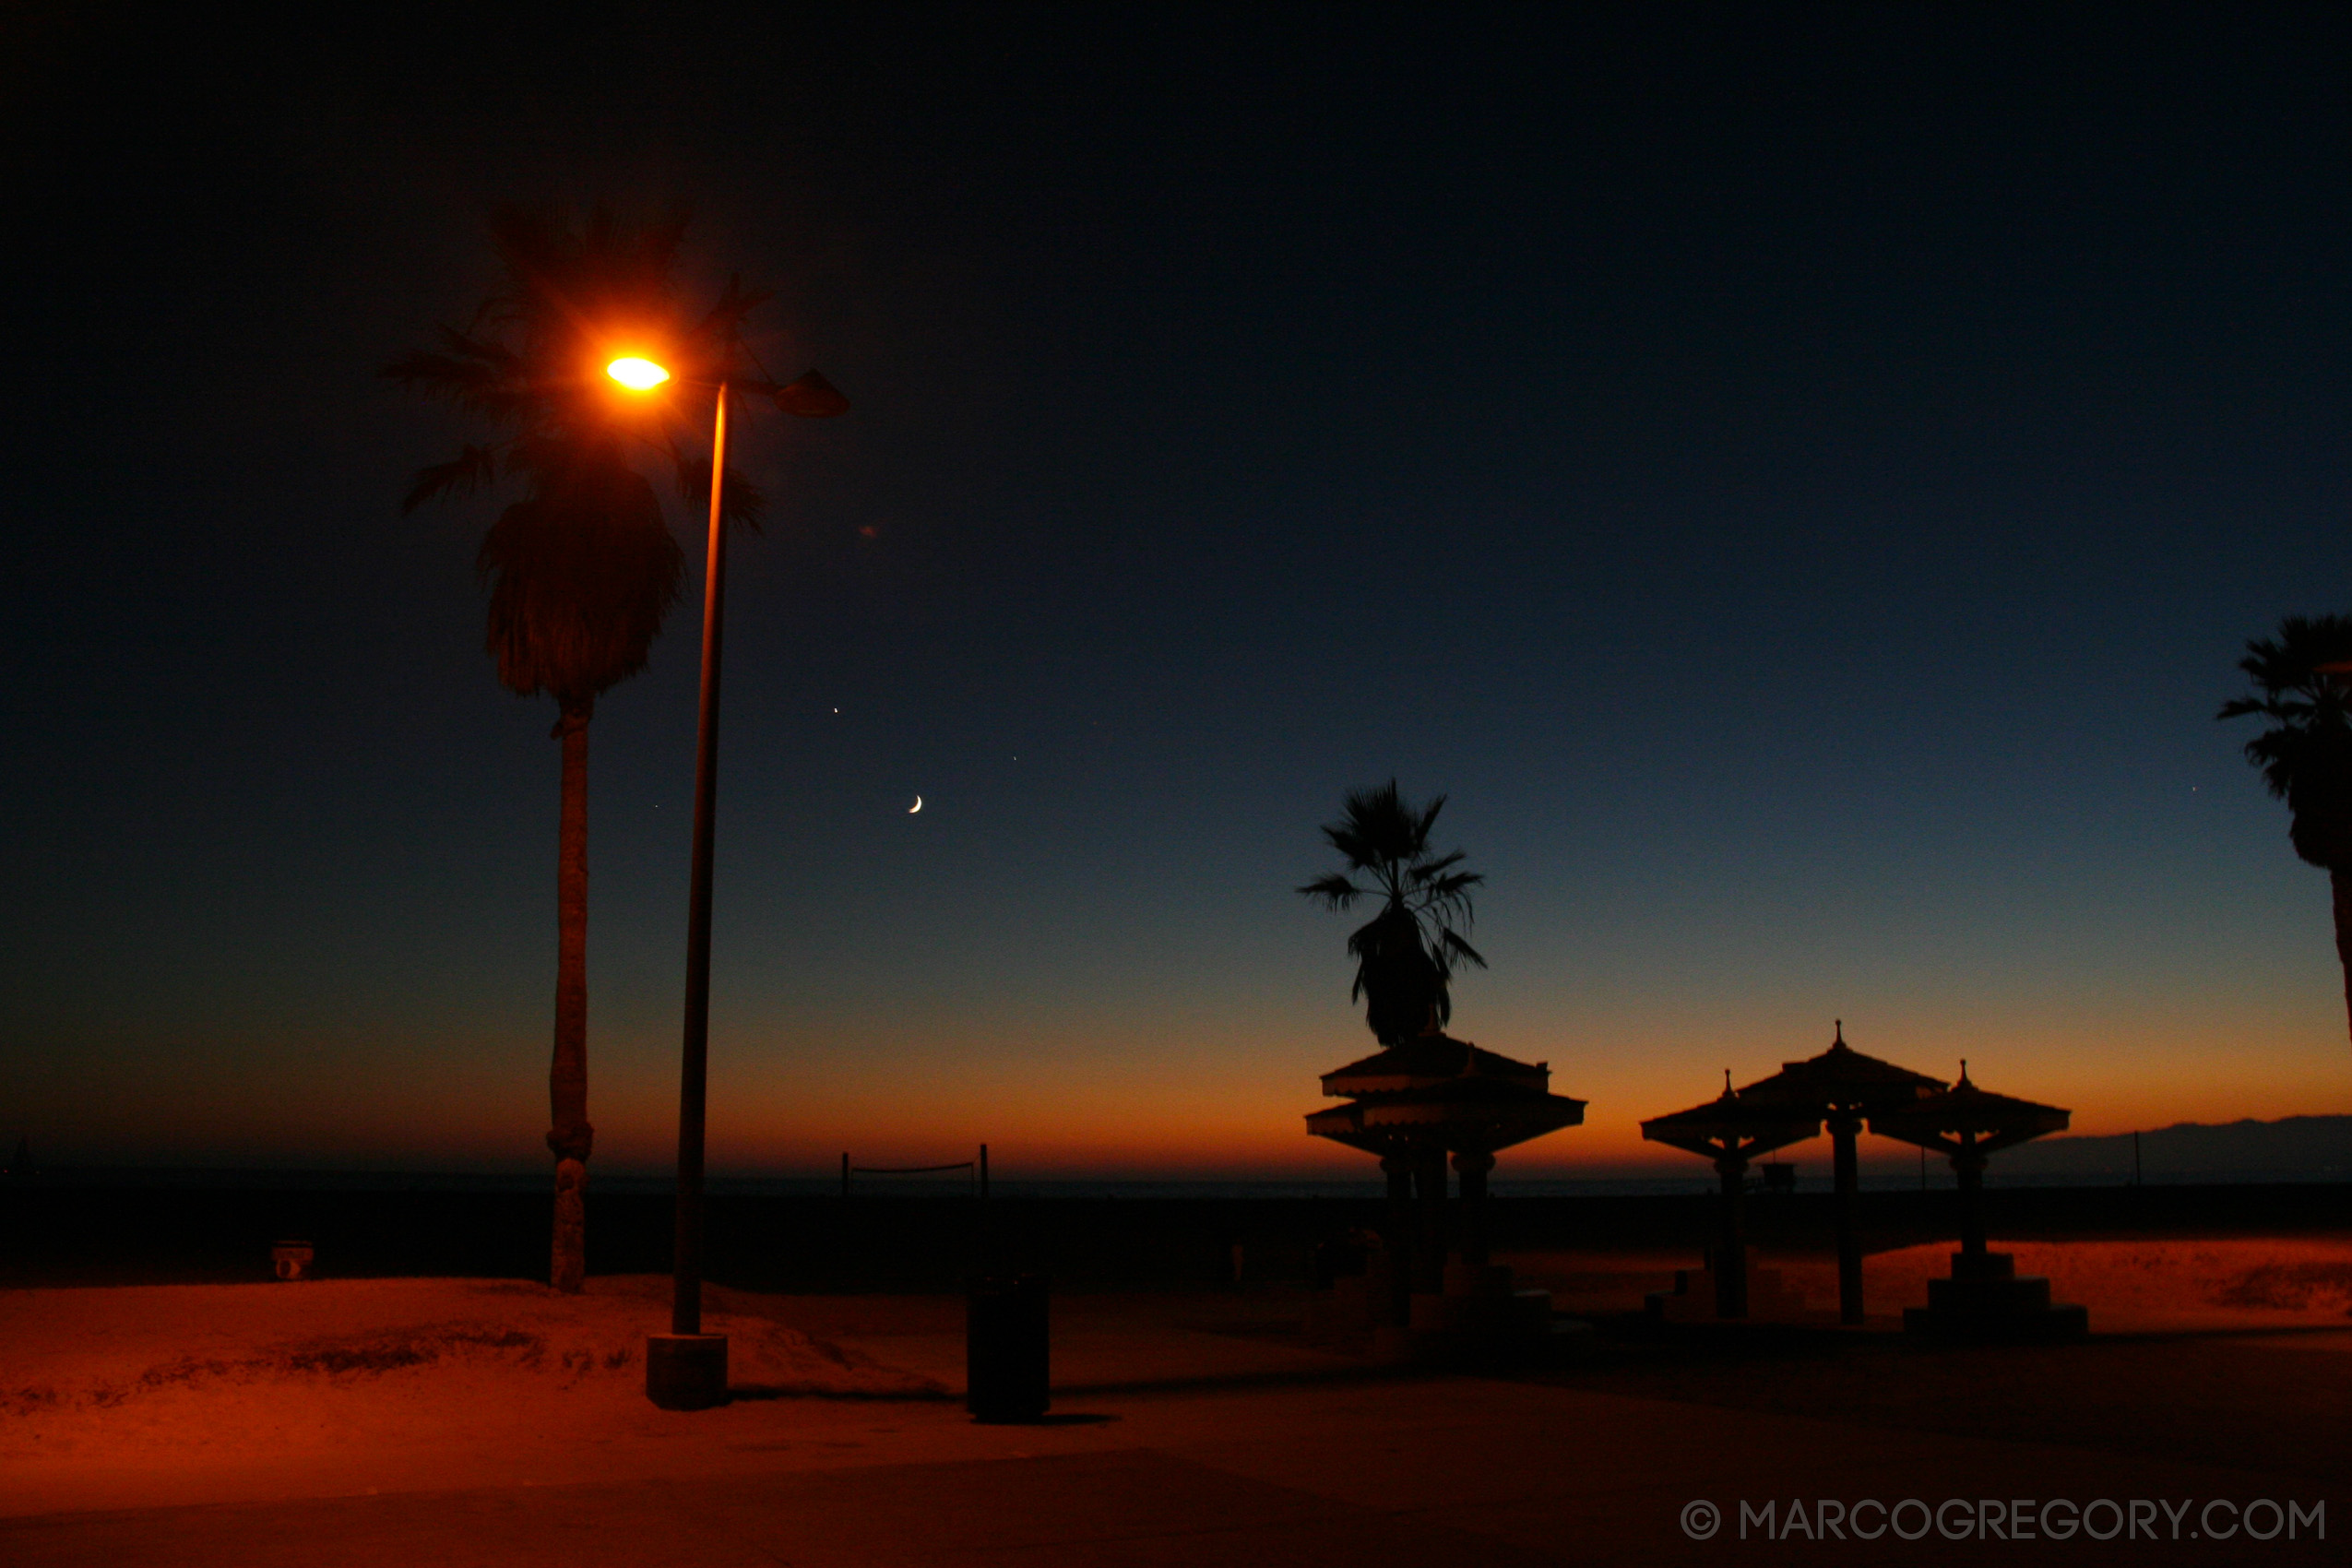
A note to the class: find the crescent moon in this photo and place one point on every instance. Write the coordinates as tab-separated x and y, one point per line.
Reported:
916	807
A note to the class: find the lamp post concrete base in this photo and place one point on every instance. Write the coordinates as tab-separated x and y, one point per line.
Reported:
685	1371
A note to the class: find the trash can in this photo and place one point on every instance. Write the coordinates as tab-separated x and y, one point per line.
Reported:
1004	1347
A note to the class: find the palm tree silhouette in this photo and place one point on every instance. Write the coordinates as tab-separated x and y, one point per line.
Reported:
1406	954
581	567
2306	756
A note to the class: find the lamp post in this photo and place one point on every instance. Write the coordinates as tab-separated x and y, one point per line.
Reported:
686	1369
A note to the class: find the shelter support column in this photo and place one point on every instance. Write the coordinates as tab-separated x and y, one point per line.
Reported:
1968	1164
1428	1245
1845	1129
1470	1229
1731	1242
1398	1234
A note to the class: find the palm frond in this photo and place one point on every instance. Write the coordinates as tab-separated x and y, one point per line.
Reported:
2305	757
441	375
1455	946
580	583
1424	870
743	501
722	323
463	475
1334	889
1449	889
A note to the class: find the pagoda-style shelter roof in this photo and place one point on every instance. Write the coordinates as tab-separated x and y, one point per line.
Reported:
1467	1113
1734	1123
1431	1059
1843	1077
1987	1120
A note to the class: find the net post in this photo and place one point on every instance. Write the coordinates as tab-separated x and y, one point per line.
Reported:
983	1173
845	1175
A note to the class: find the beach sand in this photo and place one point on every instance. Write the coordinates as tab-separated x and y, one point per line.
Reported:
2131	1287
404	1421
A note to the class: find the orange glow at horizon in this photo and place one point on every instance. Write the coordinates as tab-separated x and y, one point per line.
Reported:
1097	1091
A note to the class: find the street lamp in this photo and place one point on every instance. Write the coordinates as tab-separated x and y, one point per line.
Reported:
636	374
686	1369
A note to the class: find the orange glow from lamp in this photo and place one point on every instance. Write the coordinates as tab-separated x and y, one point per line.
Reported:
636	374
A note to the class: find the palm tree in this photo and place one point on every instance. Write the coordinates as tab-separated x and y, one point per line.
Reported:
581	567
1406	954
2306	756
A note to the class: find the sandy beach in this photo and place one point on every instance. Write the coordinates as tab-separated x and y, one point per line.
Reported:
367	1421
2235	1283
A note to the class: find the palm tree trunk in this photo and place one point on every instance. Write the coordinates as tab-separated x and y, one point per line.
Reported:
571	1135
2339	882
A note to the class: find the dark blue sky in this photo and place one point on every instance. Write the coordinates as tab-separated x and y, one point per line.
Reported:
1800	480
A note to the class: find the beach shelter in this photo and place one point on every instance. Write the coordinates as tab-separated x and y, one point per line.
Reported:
1415	1103
1731	1130
1431	1058
1968	1123
1984	1297
1843	1087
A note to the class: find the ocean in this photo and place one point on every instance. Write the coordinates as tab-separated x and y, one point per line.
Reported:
1811	1177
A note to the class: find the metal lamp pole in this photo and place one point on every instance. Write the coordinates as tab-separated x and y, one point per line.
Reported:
693	1077
686	1369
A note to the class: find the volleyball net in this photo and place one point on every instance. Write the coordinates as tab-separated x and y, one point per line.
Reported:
976	1170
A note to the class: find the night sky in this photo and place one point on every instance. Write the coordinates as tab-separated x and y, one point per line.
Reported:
1798	480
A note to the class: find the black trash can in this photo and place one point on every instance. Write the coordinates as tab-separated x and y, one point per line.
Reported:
1004	1347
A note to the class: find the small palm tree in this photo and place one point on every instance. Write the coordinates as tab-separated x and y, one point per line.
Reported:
581	567
2306	756
1406	952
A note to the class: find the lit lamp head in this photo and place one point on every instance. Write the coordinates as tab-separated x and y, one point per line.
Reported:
636	374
